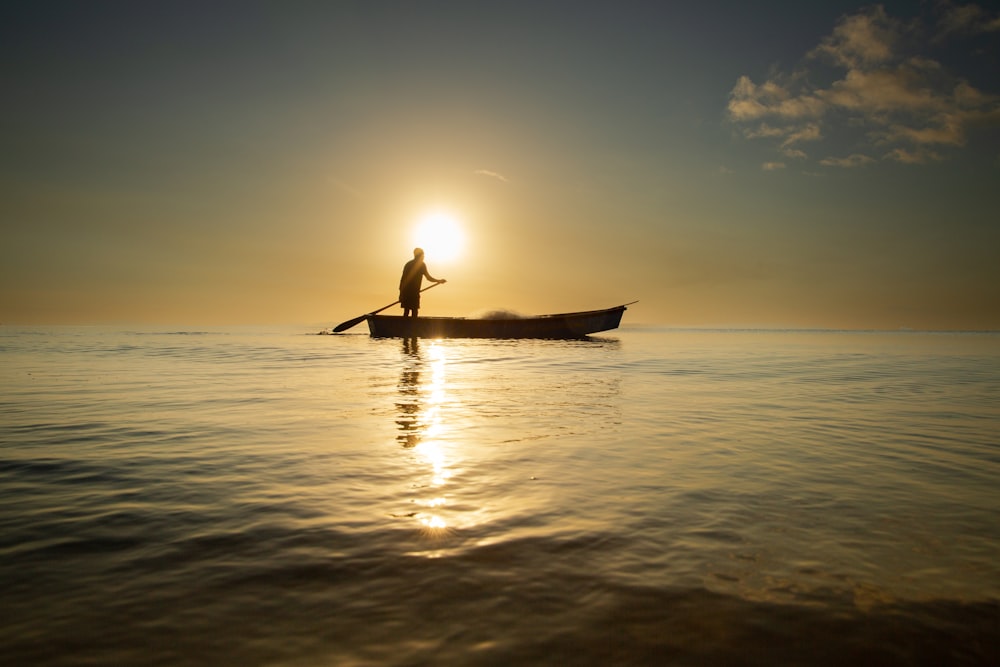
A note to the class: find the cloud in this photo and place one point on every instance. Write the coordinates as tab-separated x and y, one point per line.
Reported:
807	132
748	101
889	90
854	160
948	130
905	156
764	130
862	40
772	166
492	174
968	19
789	134
879	90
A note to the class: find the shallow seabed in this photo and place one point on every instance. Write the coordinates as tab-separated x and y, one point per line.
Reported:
648	496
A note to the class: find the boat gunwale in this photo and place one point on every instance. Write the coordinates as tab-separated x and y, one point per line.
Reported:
582	313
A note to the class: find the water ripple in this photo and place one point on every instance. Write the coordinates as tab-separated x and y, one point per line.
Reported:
269	497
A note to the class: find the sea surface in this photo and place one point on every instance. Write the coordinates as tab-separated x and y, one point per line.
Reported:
651	496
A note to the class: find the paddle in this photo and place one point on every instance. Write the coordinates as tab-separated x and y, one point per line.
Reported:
344	326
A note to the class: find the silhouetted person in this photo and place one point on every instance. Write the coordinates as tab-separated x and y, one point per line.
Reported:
414	272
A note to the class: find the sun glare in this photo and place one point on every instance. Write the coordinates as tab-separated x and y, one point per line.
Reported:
440	235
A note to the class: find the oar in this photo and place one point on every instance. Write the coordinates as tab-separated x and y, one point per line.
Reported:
344	326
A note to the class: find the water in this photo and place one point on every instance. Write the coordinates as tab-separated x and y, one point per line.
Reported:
650	496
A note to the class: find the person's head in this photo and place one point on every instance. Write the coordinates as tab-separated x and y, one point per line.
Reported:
418	253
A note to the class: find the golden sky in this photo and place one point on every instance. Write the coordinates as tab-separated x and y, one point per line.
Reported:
781	165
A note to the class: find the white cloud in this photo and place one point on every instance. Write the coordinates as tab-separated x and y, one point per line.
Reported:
864	39
748	101
491	174
854	160
946	130
888	90
764	130
772	166
888	97
789	134
808	132
905	156
970	19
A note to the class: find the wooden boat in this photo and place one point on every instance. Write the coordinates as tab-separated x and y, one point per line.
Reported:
564	325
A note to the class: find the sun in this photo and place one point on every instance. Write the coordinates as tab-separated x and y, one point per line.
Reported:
440	235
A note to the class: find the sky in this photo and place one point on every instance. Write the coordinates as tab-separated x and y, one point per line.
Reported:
727	164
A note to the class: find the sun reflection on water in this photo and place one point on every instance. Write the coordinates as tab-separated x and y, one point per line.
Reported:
422	427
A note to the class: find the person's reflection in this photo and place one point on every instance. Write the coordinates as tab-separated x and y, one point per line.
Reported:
408	403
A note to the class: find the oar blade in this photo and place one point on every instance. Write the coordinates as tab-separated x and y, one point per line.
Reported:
344	326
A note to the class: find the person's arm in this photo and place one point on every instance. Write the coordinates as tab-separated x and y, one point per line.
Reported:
432	278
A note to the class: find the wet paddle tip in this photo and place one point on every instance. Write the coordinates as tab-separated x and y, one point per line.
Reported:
344	326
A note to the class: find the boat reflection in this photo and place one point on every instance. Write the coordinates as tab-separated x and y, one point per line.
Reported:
421	424
408	403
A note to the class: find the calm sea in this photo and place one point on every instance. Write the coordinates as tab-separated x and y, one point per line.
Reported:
650	496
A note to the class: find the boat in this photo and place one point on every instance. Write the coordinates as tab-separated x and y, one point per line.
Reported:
563	325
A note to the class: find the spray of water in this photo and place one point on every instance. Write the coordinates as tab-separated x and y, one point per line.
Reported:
497	314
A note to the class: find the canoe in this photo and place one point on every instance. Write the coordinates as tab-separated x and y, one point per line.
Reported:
564	325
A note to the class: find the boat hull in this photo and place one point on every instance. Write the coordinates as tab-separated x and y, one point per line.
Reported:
565	325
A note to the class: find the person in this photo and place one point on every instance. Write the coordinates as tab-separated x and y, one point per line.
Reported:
414	272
